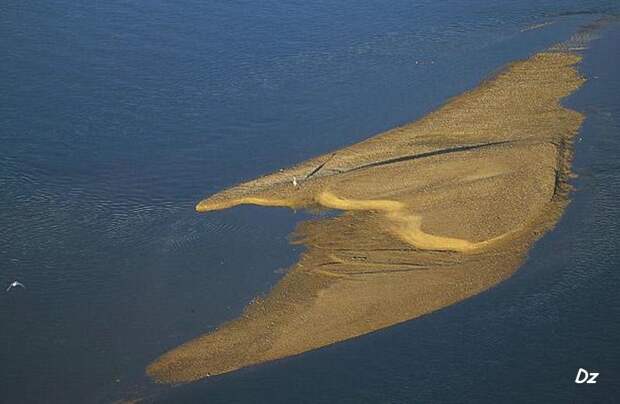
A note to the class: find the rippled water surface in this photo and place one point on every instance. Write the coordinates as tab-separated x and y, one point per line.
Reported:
118	116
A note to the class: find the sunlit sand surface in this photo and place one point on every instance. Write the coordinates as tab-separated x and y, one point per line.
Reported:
432	212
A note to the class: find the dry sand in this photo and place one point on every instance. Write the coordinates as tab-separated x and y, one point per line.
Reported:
433	212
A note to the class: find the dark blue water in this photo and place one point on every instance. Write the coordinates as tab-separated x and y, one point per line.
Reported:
118	116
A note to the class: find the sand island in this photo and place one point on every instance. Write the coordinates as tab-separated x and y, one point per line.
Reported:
431	213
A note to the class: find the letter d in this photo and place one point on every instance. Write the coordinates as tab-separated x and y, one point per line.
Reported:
581	372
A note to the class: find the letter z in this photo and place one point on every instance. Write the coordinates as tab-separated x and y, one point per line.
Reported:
592	379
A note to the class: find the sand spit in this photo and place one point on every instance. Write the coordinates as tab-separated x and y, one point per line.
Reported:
433	212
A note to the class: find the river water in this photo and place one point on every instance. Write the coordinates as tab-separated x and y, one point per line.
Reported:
119	116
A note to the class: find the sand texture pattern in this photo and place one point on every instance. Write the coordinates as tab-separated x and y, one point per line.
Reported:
432	213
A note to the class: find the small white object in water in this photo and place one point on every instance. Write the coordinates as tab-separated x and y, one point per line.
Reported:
14	285
294	181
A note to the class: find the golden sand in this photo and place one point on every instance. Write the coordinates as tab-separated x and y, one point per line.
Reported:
433	212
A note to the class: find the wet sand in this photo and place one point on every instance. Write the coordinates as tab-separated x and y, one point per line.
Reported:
432	213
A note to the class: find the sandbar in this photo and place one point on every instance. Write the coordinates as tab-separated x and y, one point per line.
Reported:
432	213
